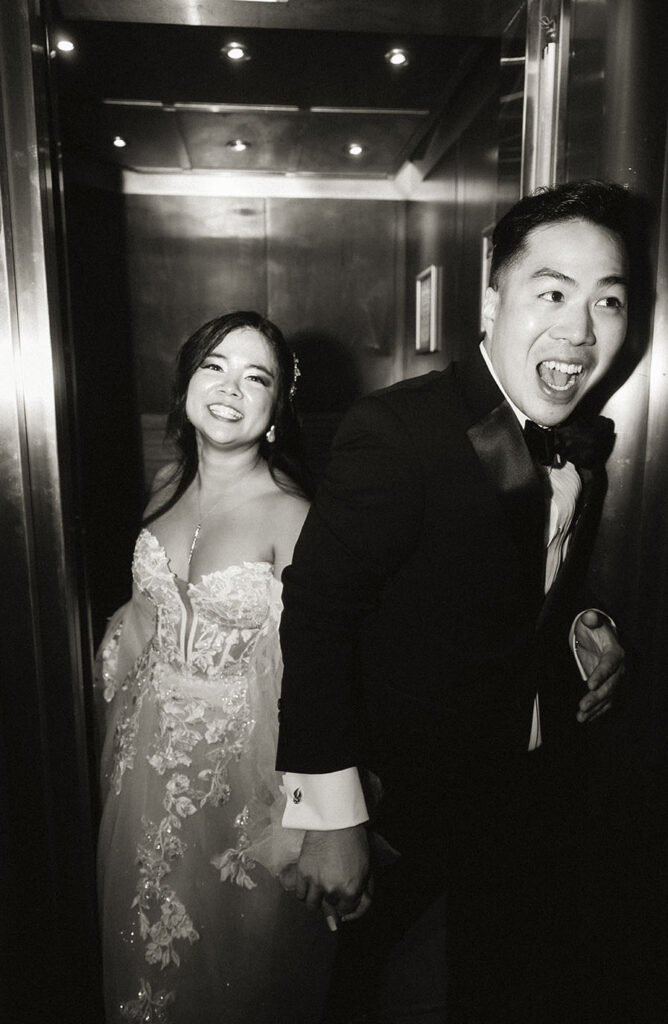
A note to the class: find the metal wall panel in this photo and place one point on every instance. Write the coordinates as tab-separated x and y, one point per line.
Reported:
450	234
335	285
652	569
329	272
616	130
111	493
49	901
332	271
546	73
189	258
476	16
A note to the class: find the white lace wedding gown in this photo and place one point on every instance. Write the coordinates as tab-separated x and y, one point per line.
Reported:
196	928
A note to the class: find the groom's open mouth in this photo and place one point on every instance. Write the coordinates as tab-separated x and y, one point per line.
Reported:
559	376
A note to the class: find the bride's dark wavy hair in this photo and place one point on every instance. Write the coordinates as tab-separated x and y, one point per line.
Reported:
284	456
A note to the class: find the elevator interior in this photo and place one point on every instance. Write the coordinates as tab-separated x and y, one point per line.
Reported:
216	184
144	242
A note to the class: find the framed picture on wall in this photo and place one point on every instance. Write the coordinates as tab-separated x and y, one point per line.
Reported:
428	310
485	264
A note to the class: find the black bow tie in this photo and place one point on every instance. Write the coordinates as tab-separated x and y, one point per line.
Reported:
586	442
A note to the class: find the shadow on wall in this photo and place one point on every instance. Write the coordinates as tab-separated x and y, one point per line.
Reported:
330	382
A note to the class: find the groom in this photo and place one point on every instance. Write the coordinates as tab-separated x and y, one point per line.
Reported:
437	637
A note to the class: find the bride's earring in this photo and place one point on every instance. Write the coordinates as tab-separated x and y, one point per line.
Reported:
271	434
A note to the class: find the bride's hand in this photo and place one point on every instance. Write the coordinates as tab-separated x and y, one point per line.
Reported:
333	872
602	661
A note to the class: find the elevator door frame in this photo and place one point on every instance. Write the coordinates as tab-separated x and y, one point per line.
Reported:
47	844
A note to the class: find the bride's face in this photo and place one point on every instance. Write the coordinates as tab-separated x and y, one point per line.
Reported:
231	396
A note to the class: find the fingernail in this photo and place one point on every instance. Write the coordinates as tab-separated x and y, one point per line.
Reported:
331	923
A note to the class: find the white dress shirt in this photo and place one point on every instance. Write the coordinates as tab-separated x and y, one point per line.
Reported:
565	487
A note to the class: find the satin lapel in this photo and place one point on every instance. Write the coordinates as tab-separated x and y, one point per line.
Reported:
499	444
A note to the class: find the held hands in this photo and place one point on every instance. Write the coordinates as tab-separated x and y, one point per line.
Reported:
602	659
332	873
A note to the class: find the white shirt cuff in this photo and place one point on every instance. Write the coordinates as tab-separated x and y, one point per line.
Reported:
324	802
571	637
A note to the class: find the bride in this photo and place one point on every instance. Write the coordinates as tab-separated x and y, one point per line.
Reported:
196	926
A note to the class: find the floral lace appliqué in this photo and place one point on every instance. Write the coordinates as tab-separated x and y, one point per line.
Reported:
163	919
109	666
234	864
148	1008
194	678
125	734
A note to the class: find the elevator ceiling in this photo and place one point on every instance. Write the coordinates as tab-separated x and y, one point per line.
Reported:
316	81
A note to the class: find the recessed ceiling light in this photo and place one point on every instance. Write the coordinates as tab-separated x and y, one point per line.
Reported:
65	45
355	148
119	142
235	52
238	145
397	57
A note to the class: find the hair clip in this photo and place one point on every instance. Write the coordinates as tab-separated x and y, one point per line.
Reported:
296	374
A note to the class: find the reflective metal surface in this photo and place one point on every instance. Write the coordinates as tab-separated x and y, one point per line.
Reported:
617	104
299	142
189	257
546	71
438	16
43	756
450	234
652	574
300	99
339	276
512	74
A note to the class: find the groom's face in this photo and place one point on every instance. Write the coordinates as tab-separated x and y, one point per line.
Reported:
558	317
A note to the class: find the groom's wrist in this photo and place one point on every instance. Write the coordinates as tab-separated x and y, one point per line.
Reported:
324	802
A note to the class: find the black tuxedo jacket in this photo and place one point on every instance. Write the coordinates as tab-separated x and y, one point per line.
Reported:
416	630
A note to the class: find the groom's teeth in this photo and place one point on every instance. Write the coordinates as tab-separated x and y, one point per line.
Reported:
552	364
558	375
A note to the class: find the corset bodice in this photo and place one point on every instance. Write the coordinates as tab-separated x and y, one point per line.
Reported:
205	630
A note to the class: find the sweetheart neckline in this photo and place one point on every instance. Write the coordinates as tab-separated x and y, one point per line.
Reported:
217	572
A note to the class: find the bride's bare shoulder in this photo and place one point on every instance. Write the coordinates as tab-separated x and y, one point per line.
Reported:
292	506
283	507
283	516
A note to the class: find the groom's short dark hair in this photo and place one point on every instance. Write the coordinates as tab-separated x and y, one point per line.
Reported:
604	203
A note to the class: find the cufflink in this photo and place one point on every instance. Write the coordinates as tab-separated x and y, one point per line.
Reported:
296	796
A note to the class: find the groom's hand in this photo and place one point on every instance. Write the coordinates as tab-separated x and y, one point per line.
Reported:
603	660
333	872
